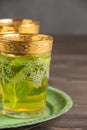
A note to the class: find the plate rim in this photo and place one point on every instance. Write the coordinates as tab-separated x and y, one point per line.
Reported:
66	108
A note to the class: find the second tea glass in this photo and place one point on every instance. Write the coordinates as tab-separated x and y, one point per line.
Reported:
19	26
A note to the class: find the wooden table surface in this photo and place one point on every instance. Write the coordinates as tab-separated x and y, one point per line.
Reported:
69	73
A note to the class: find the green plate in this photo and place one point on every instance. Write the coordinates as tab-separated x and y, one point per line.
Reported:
58	102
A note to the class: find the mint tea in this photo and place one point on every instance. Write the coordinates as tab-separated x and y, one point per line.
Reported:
24	82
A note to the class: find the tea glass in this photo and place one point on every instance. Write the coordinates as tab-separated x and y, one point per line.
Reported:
25	61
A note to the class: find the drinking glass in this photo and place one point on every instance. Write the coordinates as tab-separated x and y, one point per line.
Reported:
18	26
25	62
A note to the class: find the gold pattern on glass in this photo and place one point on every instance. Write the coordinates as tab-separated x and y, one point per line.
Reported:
25	44
25	61
18	26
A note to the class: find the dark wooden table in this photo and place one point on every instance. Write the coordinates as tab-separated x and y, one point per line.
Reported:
69	73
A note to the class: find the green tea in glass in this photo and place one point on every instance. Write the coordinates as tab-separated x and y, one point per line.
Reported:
18	26
25	61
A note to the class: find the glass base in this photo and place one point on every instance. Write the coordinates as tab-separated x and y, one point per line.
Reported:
23	115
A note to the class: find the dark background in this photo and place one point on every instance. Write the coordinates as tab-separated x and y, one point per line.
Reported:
55	16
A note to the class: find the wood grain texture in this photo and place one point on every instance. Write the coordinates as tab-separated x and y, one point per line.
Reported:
70	44
53	128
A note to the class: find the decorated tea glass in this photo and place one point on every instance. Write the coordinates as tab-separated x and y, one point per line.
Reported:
25	64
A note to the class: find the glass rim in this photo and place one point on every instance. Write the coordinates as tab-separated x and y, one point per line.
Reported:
25	38
27	44
10	21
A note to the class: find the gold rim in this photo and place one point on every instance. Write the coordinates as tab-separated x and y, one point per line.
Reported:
19	26
26	44
9	21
